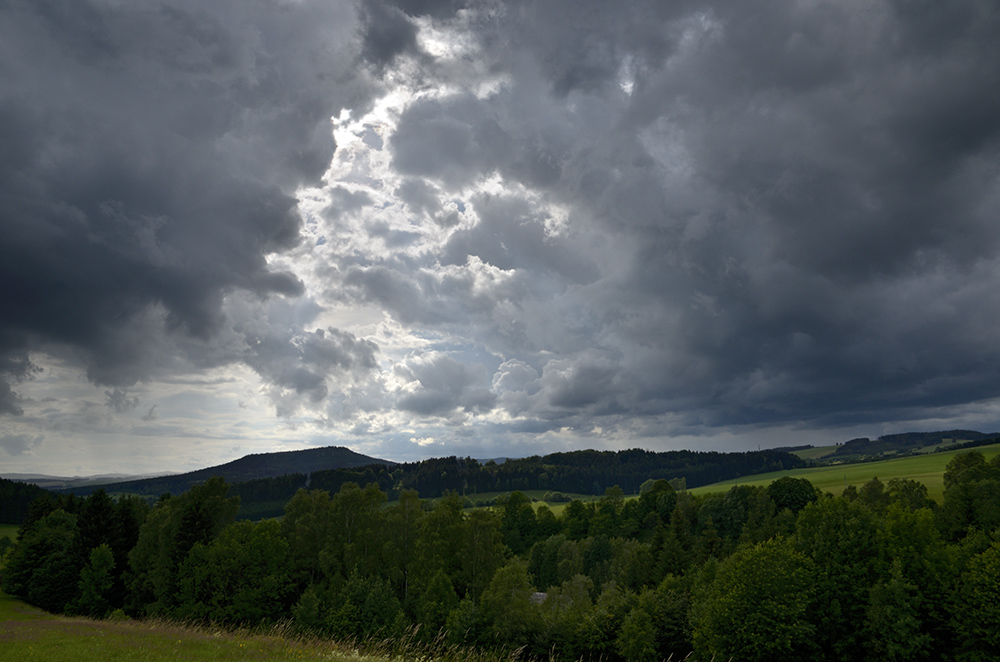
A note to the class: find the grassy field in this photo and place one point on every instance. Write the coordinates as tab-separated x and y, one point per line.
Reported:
8	530
927	468
27	633
815	453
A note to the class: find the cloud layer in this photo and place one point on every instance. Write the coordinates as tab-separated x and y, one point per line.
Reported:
539	223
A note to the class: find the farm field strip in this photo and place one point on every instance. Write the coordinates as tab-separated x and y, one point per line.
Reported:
927	468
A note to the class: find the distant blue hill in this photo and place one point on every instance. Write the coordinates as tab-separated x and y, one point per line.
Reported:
250	467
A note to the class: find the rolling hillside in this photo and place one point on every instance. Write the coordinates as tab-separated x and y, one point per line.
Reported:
251	467
927	468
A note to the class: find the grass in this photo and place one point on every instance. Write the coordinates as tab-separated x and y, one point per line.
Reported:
9	530
815	453
927	468
27	633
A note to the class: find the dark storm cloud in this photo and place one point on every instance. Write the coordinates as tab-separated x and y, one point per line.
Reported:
796	204
387	33
149	154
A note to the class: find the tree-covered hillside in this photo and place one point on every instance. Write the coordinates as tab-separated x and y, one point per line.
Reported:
580	472
776	573
250	467
15	500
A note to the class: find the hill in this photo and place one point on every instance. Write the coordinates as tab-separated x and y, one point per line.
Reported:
889	444
256	466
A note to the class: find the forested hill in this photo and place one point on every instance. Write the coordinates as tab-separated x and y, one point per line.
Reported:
581	472
15	500
906	441
251	467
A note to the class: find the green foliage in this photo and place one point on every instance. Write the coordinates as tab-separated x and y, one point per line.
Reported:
38	570
482	552
893	627
308	528
403	521
842	537
507	603
792	493
637	640
307	612
908	493
669	607
517	522
968	467
242	576
599	630
466	624
977	614
873	495
758	605
168	535
565	609
972	494
435	604
96	583
366	607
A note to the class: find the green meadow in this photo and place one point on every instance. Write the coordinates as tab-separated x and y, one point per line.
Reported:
927	468
28	633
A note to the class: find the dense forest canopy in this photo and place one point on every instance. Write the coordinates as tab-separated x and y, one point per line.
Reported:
16	499
776	573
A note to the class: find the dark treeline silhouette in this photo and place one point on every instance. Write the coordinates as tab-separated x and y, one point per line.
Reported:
909	441
776	573
15	500
580	472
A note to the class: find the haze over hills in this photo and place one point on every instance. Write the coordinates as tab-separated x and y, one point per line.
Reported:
61	482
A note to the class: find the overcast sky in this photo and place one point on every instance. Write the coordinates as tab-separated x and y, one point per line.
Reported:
431	227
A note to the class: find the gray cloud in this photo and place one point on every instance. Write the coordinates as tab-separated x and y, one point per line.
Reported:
441	384
150	156
640	220
762	202
18	444
387	33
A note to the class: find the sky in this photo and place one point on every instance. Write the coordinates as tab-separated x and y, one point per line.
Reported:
422	228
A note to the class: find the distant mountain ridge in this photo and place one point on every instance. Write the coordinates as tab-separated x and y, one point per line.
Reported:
60	482
249	467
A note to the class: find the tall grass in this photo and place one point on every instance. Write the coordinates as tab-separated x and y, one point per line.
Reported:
27	633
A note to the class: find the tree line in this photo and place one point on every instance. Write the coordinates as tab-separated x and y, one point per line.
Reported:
580	472
777	573
16	498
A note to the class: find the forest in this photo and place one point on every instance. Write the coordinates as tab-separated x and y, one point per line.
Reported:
776	573
580	472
